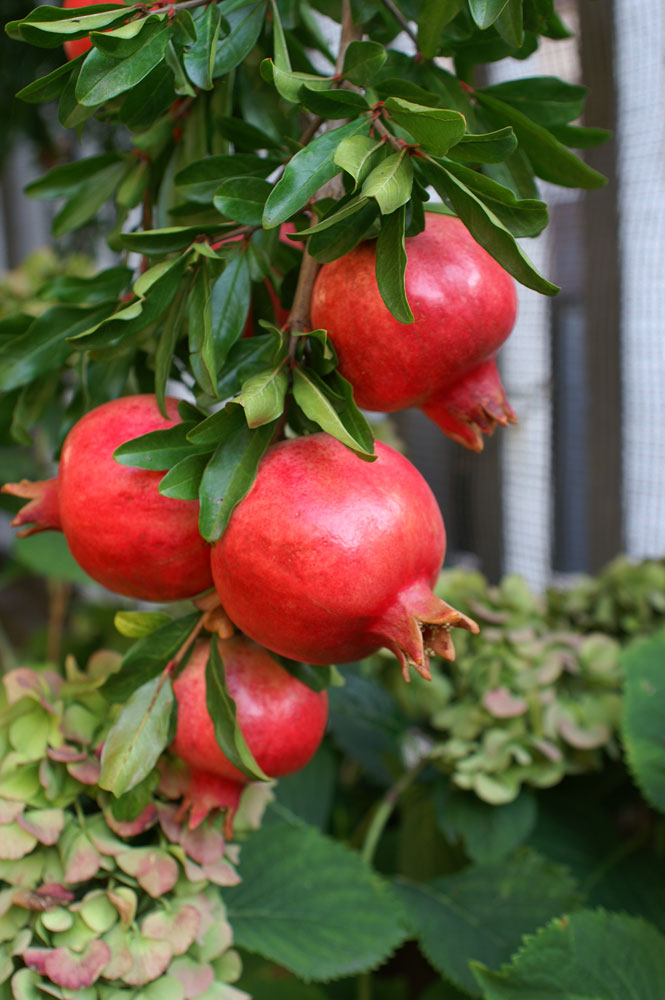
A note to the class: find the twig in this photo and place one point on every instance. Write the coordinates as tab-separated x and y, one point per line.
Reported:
299	319
385	133
401	20
350	33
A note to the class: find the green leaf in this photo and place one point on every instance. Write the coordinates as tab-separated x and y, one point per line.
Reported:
359	155
37	346
148	657
486	228
549	158
362	62
229	303
244	21
263	395
390	183
523	217
199	323
65	180
485	12
222	711
242	199
310	904
510	24
126	40
158	449
435	129
243	135
434	16
199	58
88	199
490	147
643	718
347	210
47	26
103	287
590	955
137	624
163	241
199	181
137	738
578	137
103	77
546	99
48	555
390	265
346	234
334	103
306	172
231	471
51	86
310	793
290	85
247	357
330	405
490	833
183	480
168	339
482	912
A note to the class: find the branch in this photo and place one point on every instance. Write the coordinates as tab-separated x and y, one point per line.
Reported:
299	318
402	21
350	33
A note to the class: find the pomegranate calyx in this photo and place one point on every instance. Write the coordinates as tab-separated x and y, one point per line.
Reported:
475	405
42	511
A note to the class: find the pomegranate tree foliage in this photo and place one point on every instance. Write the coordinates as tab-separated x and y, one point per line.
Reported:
234	138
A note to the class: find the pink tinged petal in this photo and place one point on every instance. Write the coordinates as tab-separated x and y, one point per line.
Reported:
149	960
40	686
172	827
9	811
155	870
221	873
77	971
87	771
178	928
204	845
548	749
44	824
81	860
120	961
582	739
66	754
35	958
501	704
143	822
217	940
194	978
15	843
49	896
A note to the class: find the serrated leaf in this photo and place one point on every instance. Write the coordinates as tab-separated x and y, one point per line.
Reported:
590	955
231	471
329	403
390	183
183	480
137	624
306	172
222	710
242	199
199	58
485	12
435	129
362	61
310	904
359	154
523	217
643	716
390	265
263	395
486	228
490	833
138	737
103	77
148	657
434	16
482	912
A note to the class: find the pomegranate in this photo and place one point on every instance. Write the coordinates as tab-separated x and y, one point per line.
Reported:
120	529
282	720
464	306
75	46
328	557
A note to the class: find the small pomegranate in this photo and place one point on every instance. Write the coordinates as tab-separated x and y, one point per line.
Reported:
329	558
120	529
464	306
282	720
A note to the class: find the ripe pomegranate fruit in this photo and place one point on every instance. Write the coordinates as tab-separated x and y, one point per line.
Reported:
74	47
329	558
120	529
464	306
282	720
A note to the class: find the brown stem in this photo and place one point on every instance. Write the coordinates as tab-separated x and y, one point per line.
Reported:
401	20
385	133
299	319
350	33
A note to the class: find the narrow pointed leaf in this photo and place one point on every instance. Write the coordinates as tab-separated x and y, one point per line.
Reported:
391	265
489	147
137	738
103	77
148	657
323	404
523	217
183	480
48	26
65	180
485	12
510	24
390	183
222	711
351	207
359	154
49	87
244	22
546	99
263	395
229	303
168	339
199	324
158	449
242	199
199	58
362	62
435	129
434	16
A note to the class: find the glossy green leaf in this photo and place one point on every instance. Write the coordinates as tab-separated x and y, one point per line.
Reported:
120	43
486	228
523	217
103	287
546	99
199	58
489	147
144	103
222	711
322	402
433	18
359	155
306	172
311	904
169	336
247	357
242	199
199	325
158	449
334	103
229	307
244	21
485	12
63	181
183	480
49	87
148	657
580	137
103	77
88	198
137	738
549	158
346	234
362	62
435	129
137	624
244	135
163	241
263	394
48	26
199	181
510	24
347	210
590	955
390	265
288	84
390	183
231	470
643	716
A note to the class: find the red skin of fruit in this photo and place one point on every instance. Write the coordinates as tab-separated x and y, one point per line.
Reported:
120	529
282	720
464	306
74	47
329	557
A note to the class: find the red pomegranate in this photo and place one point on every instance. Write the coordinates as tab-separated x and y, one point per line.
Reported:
74	47
329	557
120	529
282	720
464	306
